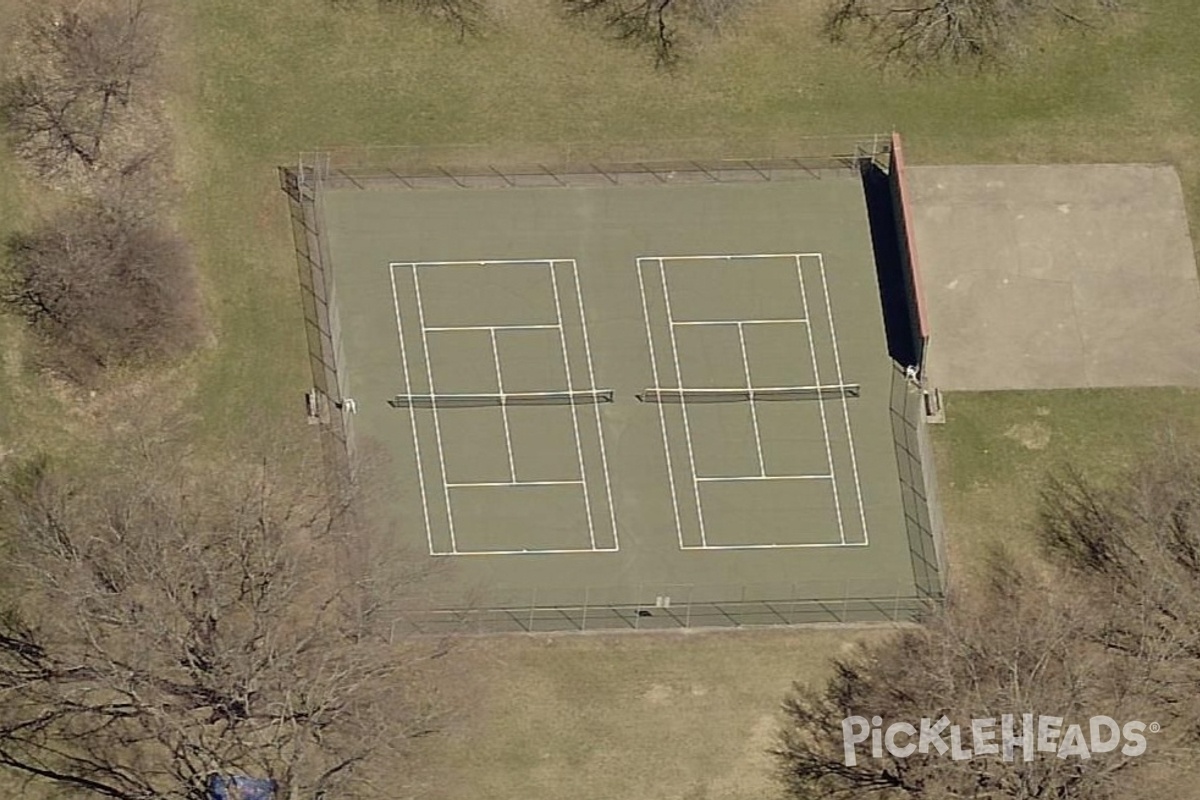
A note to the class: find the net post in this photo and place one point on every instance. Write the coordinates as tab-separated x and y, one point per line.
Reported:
637	614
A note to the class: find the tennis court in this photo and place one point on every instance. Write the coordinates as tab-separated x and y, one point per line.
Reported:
507	434
749	428
619	402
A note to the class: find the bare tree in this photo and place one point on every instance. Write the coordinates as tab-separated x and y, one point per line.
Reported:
79	70
104	287
929	31
1110	626
655	24
464	16
167	623
1133	550
1018	646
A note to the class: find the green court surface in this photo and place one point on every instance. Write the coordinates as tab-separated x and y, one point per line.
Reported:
631	406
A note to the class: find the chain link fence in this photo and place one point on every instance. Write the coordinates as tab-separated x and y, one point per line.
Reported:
657	606
641	607
321	325
491	166
670	606
587	164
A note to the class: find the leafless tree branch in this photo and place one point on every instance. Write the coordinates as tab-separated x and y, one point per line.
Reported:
79	71
925	32
1111	626
168	622
103	286
654	24
465	17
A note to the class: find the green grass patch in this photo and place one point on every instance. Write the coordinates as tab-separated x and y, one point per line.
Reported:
675	716
272	79
997	449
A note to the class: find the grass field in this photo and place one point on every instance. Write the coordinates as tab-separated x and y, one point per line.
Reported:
271	80
666	717
997	448
677	717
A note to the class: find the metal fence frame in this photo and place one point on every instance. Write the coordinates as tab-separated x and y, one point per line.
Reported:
656	607
572	164
542	164
918	484
586	164
322	330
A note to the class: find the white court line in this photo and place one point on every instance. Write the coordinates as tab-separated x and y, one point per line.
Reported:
513	483
562	337
837	360
730	257
772	546
533	327
512	262
512	467
412	413
662	415
437	425
587	352
754	389
687	428
737	478
812	350
529	552
781	321
818	386
446	485
762	464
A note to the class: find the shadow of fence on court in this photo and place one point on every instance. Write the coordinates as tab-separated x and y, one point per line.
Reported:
674	606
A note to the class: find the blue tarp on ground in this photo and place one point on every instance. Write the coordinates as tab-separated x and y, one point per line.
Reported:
238	787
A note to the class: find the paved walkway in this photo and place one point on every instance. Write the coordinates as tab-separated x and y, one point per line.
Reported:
1041	277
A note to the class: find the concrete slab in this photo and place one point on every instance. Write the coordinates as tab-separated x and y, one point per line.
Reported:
1066	276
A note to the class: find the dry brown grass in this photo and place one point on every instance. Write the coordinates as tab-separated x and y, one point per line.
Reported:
652	716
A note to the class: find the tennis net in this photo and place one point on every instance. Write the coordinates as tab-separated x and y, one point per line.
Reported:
774	393
473	400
